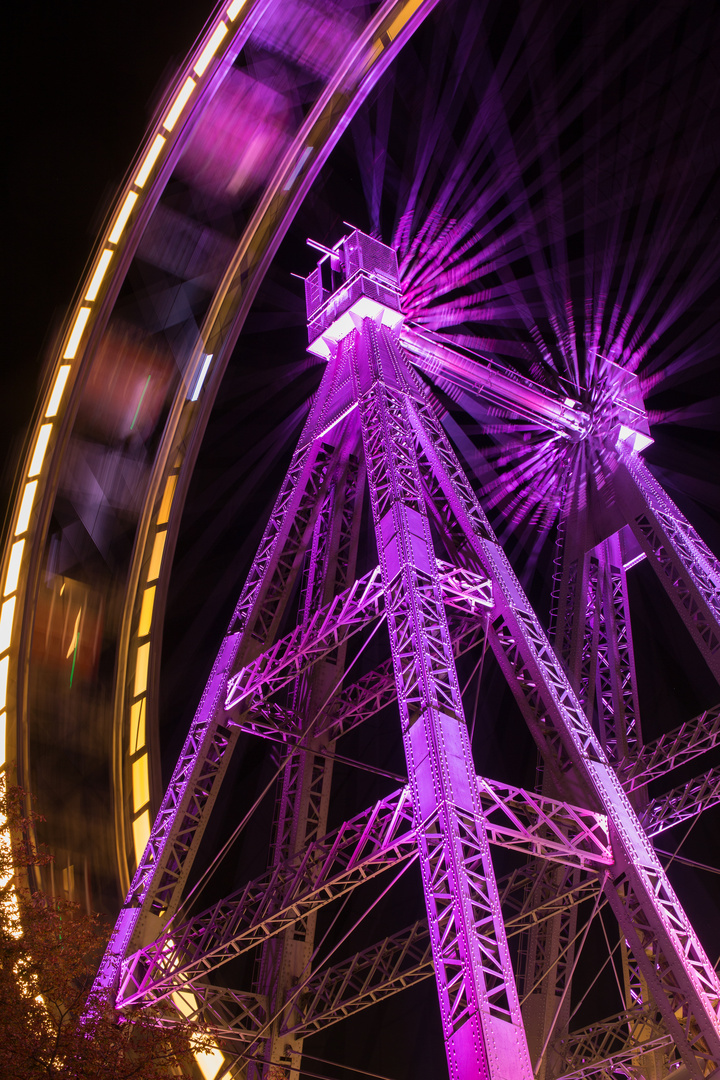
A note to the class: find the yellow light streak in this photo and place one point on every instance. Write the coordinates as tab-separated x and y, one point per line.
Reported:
3	736
26	506
39	451
185	1002
76	333
7	614
146	611
211	48
4	665
399	21
97	278
179	103
57	391
141	834
140	782
73	639
210	1062
375	49
167	499
141	669
157	554
121	220
150	159
234	9
137	726
14	562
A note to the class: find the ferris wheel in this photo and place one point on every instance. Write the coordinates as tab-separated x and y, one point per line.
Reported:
404	516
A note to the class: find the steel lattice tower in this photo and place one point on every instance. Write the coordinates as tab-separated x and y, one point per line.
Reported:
442	585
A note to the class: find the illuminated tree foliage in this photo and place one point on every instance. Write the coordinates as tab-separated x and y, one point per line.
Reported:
49	950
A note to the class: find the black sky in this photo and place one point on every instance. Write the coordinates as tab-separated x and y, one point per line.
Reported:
81	84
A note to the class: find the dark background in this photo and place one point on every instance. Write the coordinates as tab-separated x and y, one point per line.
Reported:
81	84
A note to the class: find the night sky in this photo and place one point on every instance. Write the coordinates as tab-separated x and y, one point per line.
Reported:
80	87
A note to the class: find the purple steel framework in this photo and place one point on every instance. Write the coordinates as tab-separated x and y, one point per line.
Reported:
282	676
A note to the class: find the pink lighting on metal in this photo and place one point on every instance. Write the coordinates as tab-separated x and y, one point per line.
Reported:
372	409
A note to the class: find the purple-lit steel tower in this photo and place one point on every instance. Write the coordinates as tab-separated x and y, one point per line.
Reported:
442	585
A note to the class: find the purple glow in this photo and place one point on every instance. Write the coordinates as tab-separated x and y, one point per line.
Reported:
241	136
567	262
445	815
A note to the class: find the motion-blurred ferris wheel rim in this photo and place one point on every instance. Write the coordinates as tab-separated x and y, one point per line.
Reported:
169	486
354	72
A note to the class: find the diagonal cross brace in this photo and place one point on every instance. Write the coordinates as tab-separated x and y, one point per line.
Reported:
405	958
349	612
387	967
647	908
360	849
232	1014
355	703
682	803
179	825
337	862
608	1045
670	751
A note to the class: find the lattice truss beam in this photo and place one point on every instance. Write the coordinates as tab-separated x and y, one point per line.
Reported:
284	673
336	991
376	840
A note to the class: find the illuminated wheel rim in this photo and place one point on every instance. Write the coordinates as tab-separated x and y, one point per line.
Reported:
368	49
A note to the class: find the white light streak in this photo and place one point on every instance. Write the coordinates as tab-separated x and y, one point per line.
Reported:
40	449
97	278
150	159
201	377
296	171
179	103
57	391
76	333
211	48
122	218
26	505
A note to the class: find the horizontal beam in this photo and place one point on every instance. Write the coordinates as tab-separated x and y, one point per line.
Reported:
349	612
682	803
607	1045
670	751
370	843
488	380
523	821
